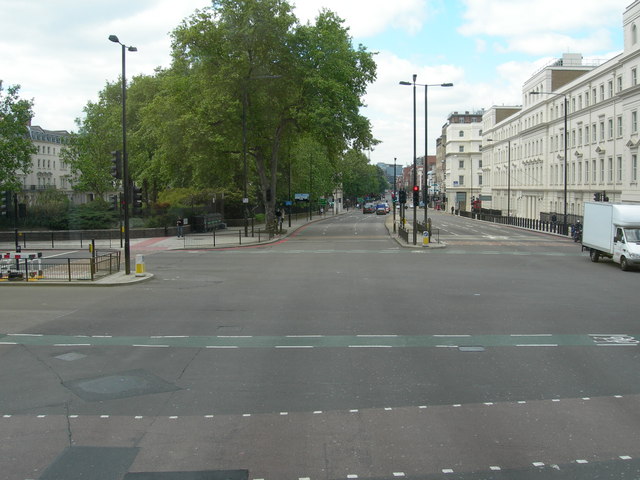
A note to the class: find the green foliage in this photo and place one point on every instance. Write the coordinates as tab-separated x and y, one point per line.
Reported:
92	215
16	147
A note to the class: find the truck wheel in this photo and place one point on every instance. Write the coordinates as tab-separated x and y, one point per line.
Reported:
624	264
594	255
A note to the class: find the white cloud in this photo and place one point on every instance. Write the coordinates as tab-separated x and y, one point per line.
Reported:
366	18
544	26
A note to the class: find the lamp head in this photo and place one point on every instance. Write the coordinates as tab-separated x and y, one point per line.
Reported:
132	49
446	84
405	83
114	38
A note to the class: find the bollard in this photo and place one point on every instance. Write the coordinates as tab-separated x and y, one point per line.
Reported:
425	238
140	267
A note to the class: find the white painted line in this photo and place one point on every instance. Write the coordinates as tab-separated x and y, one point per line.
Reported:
366	336
538	464
294	346
317	412
586	398
152	346
24	334
451	336
521	402
246	414
457	405
446	346
447	470
388	408
284	413
8	343
555	399
532	335
617	396
104	416
370	346
60	254
488	404
138	417
101	336
624	457
581	461
73	416
616	344
353	411
41	416
208	416
398	474
304	478
495	468
607	334
422	406
6	416
352	476
537	345
221	346
173	417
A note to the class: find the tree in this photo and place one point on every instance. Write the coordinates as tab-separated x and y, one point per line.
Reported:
259	72
16	147
89	151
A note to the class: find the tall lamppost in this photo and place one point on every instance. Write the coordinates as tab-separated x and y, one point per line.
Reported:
126	181
395	194
426	138
415	168
566	142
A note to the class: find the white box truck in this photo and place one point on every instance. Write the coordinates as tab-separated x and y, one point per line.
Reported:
613	231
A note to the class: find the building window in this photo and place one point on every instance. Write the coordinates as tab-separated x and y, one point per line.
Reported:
593	95
610	88
602	93
610	170
619	169
610	128
479	179
593	171
619	126
634	168
461	133
602	131
634	77
634	122
619	83
586	134
461	148
594	134
586	99
634	34
602	170
586	171
461	180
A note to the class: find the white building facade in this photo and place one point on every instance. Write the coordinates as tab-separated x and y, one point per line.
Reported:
523	152
464	176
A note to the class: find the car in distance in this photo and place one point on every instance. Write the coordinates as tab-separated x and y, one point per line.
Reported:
369	208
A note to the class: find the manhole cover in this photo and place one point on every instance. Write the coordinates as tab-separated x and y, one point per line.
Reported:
70	357
119	385
472	348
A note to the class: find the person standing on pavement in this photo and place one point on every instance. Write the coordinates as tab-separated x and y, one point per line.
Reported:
180	224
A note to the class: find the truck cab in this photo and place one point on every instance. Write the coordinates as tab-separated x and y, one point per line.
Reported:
626	247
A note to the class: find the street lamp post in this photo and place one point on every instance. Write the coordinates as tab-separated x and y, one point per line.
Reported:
126	181
426	144
566	140
395	194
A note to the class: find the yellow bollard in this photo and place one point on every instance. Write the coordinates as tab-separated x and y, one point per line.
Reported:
425	238
140	266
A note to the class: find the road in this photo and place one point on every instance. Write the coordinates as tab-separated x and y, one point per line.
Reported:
333	354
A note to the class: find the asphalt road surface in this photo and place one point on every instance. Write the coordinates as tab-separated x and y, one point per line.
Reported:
333	354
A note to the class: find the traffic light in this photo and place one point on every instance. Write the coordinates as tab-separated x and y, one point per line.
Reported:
402	196
597	197
114	202
416	194
116	165
137	200
5	202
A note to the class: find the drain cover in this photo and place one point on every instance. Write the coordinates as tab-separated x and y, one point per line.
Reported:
119	385
472	348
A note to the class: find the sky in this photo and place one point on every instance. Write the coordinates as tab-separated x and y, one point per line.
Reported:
60	55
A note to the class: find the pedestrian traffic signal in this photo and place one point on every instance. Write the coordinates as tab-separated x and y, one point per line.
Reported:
116	165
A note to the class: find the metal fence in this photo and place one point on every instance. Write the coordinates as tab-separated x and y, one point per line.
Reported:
226	237
32	268
550	226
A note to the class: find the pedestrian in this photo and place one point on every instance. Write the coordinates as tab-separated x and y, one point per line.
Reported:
452	210
279	218
180	224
